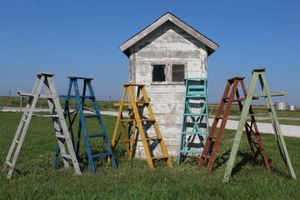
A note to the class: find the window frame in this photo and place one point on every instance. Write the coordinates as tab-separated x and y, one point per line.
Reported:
168	72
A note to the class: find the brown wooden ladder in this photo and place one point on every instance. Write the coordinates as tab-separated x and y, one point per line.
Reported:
140	123
230	96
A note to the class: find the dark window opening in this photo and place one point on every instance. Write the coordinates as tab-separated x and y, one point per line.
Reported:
158	73
177	72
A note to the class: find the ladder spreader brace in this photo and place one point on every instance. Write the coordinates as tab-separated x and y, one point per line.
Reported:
232	95
137	124
87	95
259	74
61	130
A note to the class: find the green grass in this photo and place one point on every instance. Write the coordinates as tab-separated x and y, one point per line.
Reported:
133	180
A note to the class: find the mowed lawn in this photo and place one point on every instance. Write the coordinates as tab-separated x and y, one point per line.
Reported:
37	179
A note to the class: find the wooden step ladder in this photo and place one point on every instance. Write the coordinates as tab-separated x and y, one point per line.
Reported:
86	116
195	125
137	125
259	75
232	95
61	130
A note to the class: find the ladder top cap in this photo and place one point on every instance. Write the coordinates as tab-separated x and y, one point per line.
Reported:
78	77
133	84
44	74
236	78
195	79
259	70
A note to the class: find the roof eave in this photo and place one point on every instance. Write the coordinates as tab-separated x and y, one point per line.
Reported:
212	46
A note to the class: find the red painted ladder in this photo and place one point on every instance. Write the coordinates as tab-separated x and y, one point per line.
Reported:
232	95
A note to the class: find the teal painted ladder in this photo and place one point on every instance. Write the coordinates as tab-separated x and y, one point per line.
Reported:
85	118
259	75
195	125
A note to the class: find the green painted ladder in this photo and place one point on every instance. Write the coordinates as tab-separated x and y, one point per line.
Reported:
259	74
195	125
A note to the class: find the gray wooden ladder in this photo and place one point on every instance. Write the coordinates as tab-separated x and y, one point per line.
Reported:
61	130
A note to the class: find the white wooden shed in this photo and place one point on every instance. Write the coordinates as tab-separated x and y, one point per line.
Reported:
161	56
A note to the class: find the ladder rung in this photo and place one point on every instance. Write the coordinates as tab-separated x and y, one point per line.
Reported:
272	94
51	116
148	120
160	158
195	133
191	151
212	138
68	156
134	84
195	114
205	156
125	140
74	97
153	138
90	115
27	94
96	135
127	120
98	155
60	136
17	141
219	117
8	163
234	100
197	96
138	103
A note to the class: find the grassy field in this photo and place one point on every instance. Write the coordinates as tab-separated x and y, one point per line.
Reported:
12	101
133	180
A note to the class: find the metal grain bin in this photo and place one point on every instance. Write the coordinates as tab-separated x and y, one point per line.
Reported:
281	105
292	107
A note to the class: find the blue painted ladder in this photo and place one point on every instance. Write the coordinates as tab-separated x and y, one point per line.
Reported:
80	100
195	126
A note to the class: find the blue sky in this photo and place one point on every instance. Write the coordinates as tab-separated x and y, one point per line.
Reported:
82	38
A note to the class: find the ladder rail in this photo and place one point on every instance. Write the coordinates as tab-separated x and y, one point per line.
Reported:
23	130
277	128
161	143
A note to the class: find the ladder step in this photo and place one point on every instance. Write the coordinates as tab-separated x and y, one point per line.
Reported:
219	117
126	141
50	116
98	155
204	95
205	156
96	135
17	141
160	158
212	138
234	100
191	151
74	97
27	94
195	114
67	156
127	120
138	103
153	138
8	163
195	133
91	115
147	120
60	136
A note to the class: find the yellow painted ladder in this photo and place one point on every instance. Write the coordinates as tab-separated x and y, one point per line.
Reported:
140	123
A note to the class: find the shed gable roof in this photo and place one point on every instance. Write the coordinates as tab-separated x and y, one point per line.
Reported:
211	45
